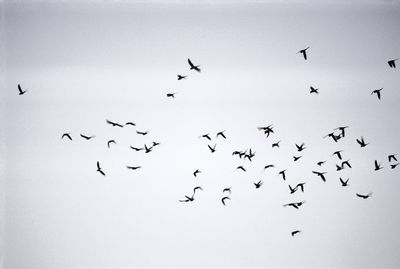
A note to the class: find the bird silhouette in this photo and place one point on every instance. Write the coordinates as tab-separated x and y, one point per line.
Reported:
142	133
241	168
364	196
339	167
314	90
333	136
181	77
267	129
155	144
296	158
295	232
393	166
99	169
114	124
346	163
212	148
392	63
68	135
320	163
344	182
196	172
303	51
206	136
283	174
269	166
221	134
21	92
300	147
258	184
188	199
301	186
137	149
172	95
130	123
377	92
392	157
225	198
227	190
337	153
295	205
321	175
111	141
276	144
377	166
342	129
133	167
197	188
194	67
292	190
87	137
146	149
361	142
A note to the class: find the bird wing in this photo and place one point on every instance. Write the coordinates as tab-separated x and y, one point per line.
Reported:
98	165
190	63
19	88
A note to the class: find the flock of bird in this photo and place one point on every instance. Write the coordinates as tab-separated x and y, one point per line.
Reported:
248	154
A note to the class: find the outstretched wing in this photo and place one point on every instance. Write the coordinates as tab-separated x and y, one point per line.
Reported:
190	63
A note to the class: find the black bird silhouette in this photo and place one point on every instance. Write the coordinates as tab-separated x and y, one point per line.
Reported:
181	77
393	166
221	134
137	149
188	199
295	232
225	198
377	166
87	137
346	163
241	168
296	158
338	167
334	137
99	169
378	93
269	166
114	124
267	130
146	149
295	205
301	185
292	190
133	167
392	63
206	136
196	172
361	142
197	188
194	67
303	51
227	190
142	133
110	141
314	90
276	144
67	135
130	123
364	196
392	157
250	155
320	163
155	144
344	183
172	95
212	148
283	174
320	174
21	92
342	129
337	153
301	147
258	184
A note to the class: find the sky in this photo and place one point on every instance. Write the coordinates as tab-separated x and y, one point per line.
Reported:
83	63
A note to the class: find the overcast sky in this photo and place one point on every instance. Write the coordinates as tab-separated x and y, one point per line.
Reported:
83	63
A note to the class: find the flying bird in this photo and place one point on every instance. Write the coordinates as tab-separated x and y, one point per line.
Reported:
146	149
87	137
342	129
283	174
269	166
99	169
194	67
320	163
206	136
337	153
301	185
225	198
172	95
295	232
292	190
392	157
196	172
111	141
276	144
227	190
296	158
314	90
258	184
155	144
137	149
393	166
114	124
344	182
377	166
130	123
364	196
66	135
361	142
181	77
197	188
133	167
241	168
346	163
321	175
21	92
303	51
212	148
142	133
301	147
188	199
221	134
377	92
392	63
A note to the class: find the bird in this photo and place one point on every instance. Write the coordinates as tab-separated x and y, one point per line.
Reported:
364	196
392	157
342	129
99	169
301	185
361	142
303	51
212	148
21	92
301	147
194	67
130	123
276	144
296	158
142	133
393	166
320	163
206	136
146	149
227	190
377	166
241	168
295	232
111	141
283	174
292	190
378	93
250	155
258	184
225	198
269	166
320	174
344	182
181	77
188	199
314	90
339	167
337	153
221	134
87	137
155	144
197	188
333	136
392	63
133	167
346	163
196	172
68	135
295	205
172	95
114	124
137	149
267	129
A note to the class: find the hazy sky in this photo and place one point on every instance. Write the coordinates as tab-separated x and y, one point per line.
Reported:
83	63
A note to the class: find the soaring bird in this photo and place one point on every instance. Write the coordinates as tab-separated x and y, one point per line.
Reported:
342	129
114	124
295	205
212	148
338	167
392	63
99	169
392	157
292	190
111	141
321	175
130	123
206	136
344	182
269	166
364	196
334	137
221	134
346	163
258	184
276	144
337	153
133	167
87	137
314	90
181	77
146	149
197	188
295	232
267	129
296	158
172	95
21	92
303	51
301	185
225	198
196	172
393	166
227	190
188	199
194	67
241	168
378	93
137	149
67	135
283	174
300	147
361	142
377	166
142	133
320	163
155	144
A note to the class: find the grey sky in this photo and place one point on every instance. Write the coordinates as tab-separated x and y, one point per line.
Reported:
83	63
